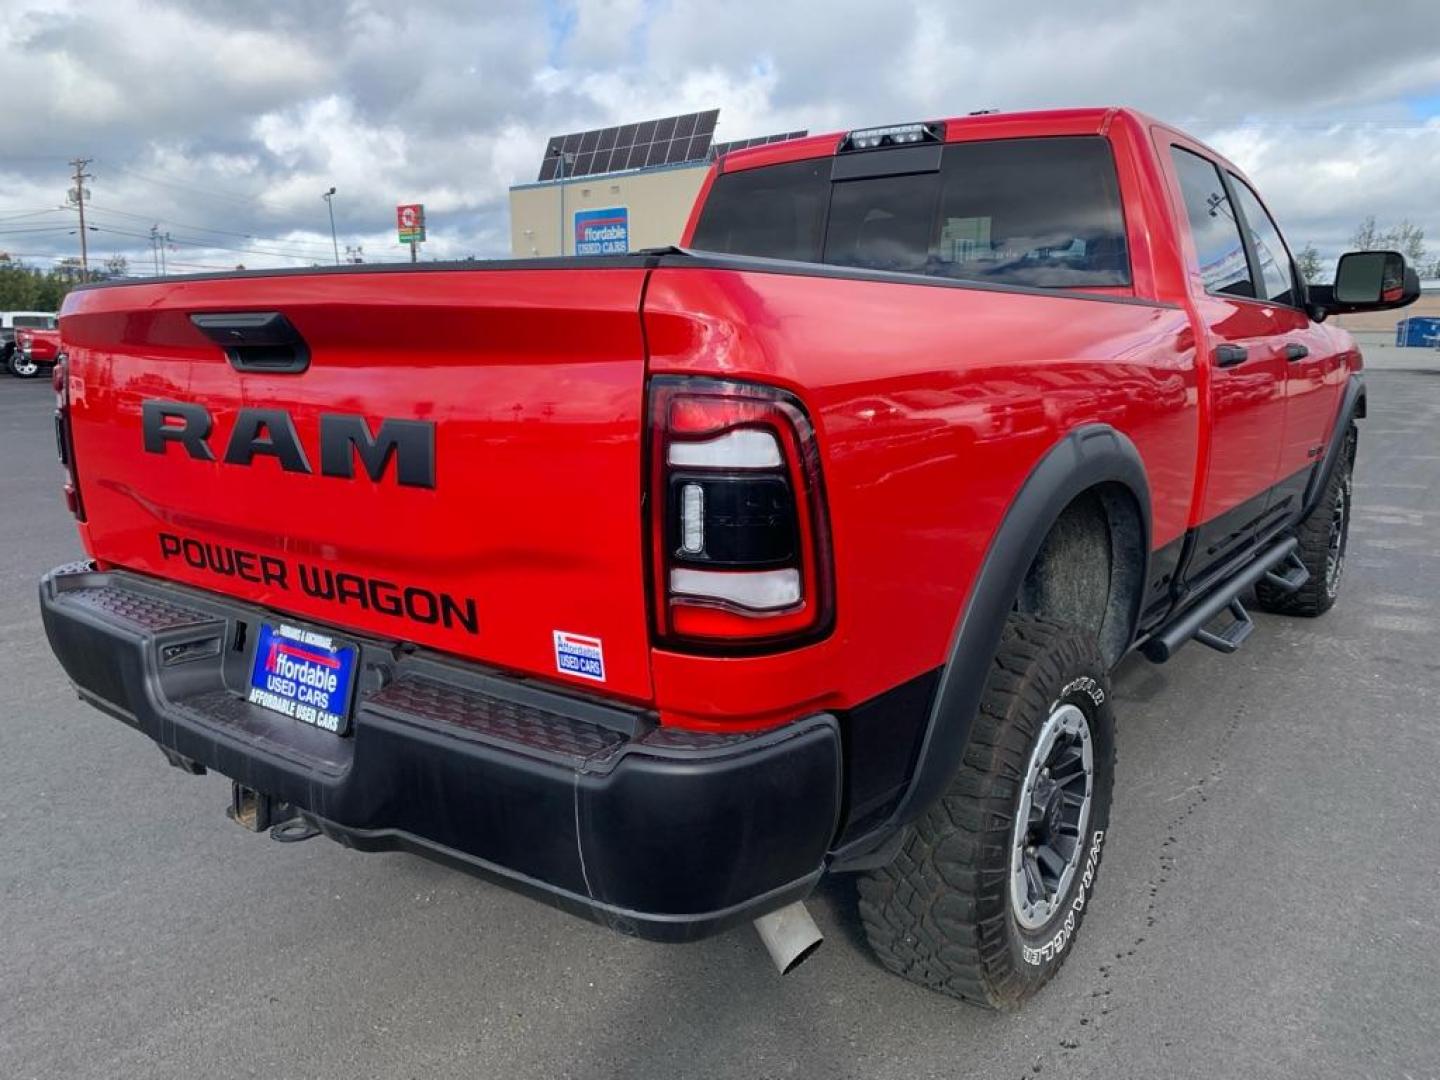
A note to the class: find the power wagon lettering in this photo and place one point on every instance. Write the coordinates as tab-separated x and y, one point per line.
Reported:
395	599
271	432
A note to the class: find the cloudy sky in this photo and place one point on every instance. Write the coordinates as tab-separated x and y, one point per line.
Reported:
222	121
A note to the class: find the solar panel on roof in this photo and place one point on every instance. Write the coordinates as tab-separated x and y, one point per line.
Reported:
671	140
721	149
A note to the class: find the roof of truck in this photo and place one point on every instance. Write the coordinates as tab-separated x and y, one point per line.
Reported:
995	125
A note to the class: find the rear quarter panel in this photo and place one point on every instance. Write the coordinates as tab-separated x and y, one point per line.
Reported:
932	405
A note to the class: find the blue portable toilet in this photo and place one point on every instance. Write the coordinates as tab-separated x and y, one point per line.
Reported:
1418	331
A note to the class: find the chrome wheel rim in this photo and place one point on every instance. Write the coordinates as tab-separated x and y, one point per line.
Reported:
25	367
1335	542
1050	822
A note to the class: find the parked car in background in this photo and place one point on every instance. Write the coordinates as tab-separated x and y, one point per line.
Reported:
34	350
12	321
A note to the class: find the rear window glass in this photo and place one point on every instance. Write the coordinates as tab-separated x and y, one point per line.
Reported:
774	213
38	322
882	223
1039	212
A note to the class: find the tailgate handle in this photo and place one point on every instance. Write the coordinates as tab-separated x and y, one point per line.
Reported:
256	340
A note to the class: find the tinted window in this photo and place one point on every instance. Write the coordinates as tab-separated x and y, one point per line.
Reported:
43	322
1277	274
883	223
776	212
1212	224
1043	212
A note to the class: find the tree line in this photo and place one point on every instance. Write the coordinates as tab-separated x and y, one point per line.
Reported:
28	288
1406	238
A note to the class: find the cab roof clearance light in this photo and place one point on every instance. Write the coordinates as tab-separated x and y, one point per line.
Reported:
895	135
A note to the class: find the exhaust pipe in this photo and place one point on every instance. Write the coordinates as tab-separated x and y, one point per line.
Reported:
790	936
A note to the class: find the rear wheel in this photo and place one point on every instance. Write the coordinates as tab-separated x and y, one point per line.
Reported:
1324	537
990	885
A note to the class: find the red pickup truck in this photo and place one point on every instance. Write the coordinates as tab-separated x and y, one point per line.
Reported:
660	586
35	347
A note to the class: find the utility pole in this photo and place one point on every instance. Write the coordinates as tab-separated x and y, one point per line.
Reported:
158	242
77	196
329	198
564	158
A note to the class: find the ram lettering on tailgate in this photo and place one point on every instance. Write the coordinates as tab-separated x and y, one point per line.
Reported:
271	432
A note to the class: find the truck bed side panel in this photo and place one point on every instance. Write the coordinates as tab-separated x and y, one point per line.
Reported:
932	405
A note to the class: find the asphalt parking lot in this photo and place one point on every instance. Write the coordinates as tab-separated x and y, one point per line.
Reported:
1267	905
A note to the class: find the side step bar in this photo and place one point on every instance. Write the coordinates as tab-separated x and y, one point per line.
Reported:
1291	577
1234	635
1191	623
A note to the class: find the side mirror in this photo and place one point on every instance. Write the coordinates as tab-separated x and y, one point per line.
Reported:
1369	281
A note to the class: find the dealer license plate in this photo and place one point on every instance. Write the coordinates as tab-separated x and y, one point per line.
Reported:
303	674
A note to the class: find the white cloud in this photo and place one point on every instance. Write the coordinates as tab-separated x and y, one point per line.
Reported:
604	30
217	118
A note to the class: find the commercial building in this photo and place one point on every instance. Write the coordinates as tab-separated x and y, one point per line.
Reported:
618	189
649	206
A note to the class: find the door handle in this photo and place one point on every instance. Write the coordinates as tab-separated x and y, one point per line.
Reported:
1295	351
1230	355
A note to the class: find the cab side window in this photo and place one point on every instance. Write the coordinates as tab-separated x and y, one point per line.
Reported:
1277	272
1223	266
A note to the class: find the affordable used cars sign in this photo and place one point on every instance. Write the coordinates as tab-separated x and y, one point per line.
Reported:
602	232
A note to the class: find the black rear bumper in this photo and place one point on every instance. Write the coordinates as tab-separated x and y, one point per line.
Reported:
592	807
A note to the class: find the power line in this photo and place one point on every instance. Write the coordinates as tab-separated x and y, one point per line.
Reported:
280	241
213	193
34	213
200	266
206	245
200	242
37	229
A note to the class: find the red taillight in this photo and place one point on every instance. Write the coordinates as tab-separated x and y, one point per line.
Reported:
59	380
740	542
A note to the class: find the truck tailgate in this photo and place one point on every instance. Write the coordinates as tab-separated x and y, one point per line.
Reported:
530	384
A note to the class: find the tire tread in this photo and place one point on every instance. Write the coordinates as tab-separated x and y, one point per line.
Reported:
938	914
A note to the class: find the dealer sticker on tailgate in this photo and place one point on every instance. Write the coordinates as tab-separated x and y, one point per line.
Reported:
579	654
303	674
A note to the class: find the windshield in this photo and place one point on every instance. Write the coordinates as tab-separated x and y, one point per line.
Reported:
35	322
1039	212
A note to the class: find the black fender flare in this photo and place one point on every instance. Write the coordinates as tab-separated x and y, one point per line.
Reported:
1352	407
1089	455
